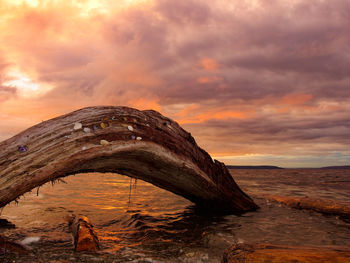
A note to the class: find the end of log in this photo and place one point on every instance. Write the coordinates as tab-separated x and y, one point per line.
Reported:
84	236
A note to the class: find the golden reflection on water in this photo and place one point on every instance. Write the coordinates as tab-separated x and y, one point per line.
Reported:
140	219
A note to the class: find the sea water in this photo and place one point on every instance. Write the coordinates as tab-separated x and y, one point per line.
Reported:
138	222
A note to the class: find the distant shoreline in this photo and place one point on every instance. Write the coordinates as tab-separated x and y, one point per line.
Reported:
344	167
253	167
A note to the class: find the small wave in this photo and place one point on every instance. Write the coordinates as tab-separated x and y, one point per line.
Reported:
29	240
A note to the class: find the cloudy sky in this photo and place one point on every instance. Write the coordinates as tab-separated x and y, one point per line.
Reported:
254	81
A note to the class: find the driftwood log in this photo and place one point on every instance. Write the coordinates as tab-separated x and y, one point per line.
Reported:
140	144
260	253
324	206
84	235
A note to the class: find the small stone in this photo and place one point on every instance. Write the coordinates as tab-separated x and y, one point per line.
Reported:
87	130
103	125
77	126
83	148
22	149
130	128
104	142
139	138
133	137
125	118
113	118
66	136
95	127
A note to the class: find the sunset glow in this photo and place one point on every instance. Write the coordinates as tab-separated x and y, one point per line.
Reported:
253	81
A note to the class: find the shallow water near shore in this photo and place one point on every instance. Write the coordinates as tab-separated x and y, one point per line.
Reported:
138	222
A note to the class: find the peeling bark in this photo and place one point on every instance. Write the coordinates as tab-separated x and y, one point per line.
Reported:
140	144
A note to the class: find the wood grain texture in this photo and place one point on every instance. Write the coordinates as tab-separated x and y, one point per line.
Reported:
140	144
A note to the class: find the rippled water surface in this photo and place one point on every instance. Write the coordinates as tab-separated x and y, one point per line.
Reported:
138	222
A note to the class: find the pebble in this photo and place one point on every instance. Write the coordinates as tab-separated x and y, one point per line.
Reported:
133	137
95	127
83	148
87	130
22	149
103	125
104	142
139	138
77	126
130	128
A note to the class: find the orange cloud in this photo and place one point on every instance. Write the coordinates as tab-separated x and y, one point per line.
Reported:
296	99
218	115
210	79
137	74
208	64
145	104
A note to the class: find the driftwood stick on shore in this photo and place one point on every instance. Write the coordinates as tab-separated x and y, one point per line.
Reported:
84	235
259	253
324	206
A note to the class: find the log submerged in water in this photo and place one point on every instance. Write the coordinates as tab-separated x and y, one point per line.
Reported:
140	144
324	206
240	253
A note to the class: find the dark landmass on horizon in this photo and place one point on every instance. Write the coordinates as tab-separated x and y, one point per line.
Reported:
253	167
337	167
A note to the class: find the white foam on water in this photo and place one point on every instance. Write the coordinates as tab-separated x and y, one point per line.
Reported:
29	240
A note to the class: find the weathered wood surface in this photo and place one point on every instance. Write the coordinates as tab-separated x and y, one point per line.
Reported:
139	144
84	235
324	206
263	253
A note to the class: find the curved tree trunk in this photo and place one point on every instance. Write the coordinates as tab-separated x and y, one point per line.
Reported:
139	144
